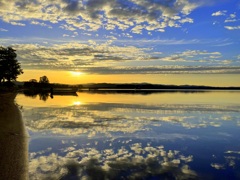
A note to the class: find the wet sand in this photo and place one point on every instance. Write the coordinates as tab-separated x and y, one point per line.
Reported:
13	140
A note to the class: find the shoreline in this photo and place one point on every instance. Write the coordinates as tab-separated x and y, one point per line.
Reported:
13	139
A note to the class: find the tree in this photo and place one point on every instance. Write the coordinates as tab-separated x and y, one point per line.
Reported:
33	80
44	80
10	68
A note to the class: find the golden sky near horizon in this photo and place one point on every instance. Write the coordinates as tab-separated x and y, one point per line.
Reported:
69	77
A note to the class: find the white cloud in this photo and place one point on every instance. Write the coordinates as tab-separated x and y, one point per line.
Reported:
17	24
137	29
3	30
232	27
191	55
189	20
233	15
220	13
111	37
230	20
90	15
41	24
104	58
75	54
67	27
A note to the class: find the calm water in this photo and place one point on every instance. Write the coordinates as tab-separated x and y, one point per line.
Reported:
132	136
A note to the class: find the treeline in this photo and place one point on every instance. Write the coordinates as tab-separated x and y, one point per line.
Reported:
44	83
142	86
38	85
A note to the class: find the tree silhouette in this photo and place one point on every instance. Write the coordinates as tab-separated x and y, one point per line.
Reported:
9	66
44	80
33	80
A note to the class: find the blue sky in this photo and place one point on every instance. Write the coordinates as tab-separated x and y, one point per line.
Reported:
124	36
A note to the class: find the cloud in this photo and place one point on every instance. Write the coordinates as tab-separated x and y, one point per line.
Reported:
233	15
191	55
231	18
232	27
220	13
71	55
67	27
105	58
189	20
163	70
17	24
90	15
3	30
41	24
65	35
72	7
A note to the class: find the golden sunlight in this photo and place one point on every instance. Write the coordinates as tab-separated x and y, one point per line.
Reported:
76	73
76	77
77	103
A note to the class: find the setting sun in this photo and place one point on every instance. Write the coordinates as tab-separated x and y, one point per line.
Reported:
76	73
77	103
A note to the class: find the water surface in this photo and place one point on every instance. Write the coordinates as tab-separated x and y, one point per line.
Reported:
173	135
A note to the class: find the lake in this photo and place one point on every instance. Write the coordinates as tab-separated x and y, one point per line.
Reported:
165	135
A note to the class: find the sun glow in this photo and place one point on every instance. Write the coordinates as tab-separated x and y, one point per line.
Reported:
76	73
77	103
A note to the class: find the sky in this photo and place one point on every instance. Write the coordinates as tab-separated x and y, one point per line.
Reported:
156	41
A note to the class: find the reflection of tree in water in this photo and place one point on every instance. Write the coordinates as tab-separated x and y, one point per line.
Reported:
31	94
43	96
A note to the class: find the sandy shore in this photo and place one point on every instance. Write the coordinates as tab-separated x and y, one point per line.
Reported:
13	140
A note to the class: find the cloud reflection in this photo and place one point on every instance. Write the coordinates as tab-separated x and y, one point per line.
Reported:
132	162
229	160
108	118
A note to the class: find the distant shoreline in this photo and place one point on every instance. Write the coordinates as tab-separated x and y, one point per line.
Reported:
110	87
152	87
